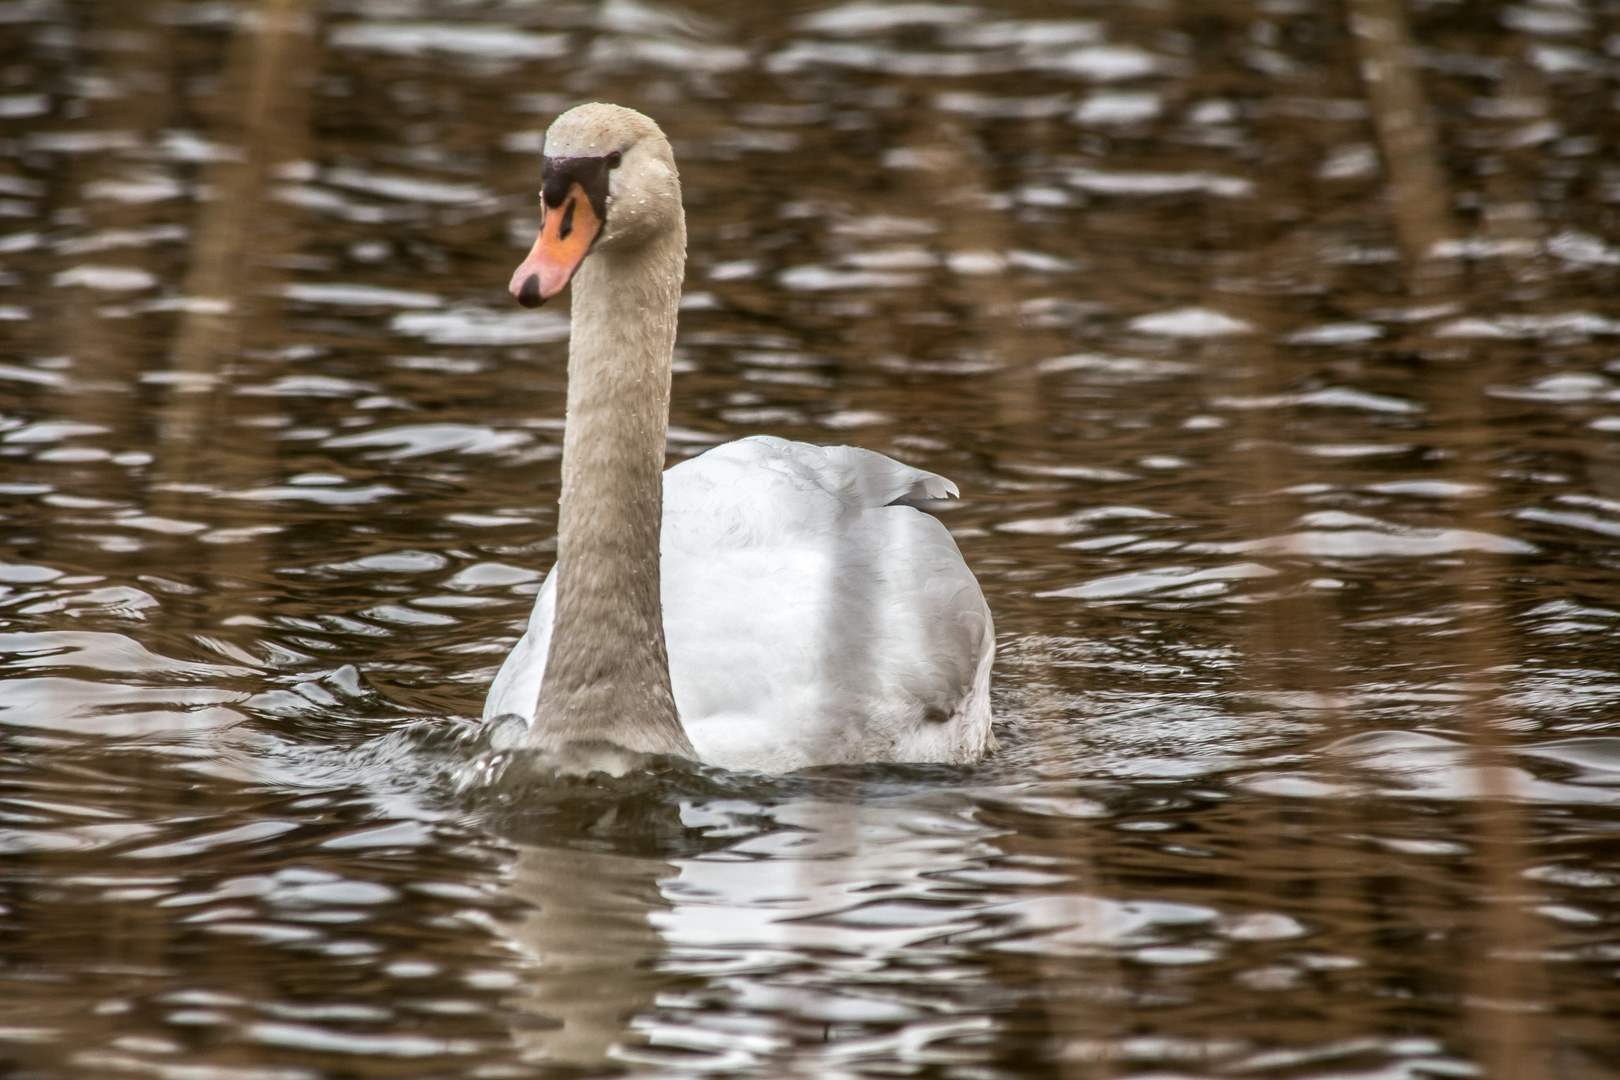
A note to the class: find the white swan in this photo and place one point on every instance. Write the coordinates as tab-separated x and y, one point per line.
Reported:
810	616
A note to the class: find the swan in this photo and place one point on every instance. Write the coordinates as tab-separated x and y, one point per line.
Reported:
767	605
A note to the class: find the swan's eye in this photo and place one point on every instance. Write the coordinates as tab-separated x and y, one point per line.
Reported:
613	159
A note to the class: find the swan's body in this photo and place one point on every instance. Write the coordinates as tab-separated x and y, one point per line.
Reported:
768	605
809	620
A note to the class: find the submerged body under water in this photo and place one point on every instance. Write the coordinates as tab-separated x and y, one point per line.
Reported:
1285	434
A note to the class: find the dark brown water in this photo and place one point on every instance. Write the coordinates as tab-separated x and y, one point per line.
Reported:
1275	347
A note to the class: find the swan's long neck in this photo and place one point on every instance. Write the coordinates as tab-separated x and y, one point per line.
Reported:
607	674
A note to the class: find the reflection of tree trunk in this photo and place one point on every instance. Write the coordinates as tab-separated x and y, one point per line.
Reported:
594	945
265	118
1511	1041
1417	186
106	353
1420	206
1076	1012
1511	211
1079	1014
1297	661
957	184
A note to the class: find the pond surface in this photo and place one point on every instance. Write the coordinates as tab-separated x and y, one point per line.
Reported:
1279	366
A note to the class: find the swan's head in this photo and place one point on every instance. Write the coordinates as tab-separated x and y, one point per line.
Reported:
608	180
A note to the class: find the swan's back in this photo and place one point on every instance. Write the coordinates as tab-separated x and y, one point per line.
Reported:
811	616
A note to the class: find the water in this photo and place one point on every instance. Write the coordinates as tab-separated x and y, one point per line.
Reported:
1296	502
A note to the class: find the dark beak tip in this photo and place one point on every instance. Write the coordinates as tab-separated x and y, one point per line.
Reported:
529	294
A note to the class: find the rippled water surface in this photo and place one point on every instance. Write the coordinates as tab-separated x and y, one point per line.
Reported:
1275	346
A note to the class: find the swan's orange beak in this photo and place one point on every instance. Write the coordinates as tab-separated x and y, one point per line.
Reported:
566	236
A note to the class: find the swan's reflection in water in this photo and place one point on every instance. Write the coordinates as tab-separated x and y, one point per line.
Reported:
590	936
804	947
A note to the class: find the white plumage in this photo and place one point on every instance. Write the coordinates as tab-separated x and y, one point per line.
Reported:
788	608
810	619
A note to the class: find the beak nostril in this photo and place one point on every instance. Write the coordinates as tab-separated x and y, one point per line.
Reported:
529	294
